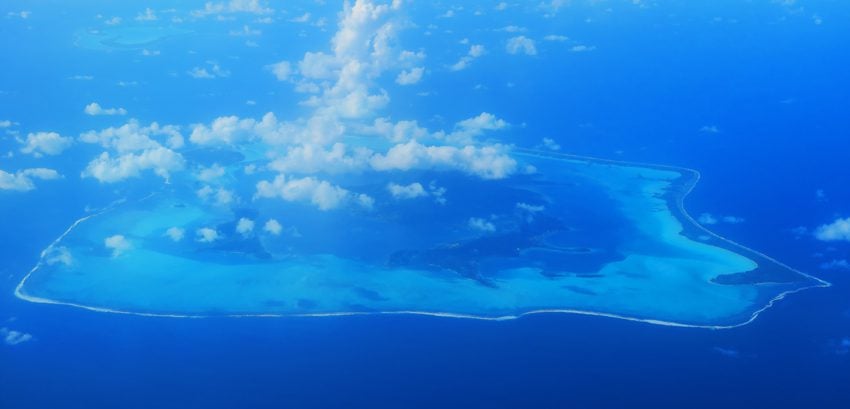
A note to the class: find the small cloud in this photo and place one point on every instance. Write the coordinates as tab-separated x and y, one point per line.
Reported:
24	14
410	77
81	77
175	233
556	38
211	173
582	48
841	346
272	226
12	337
245	226
232	7
114	21
840	264
521	44
22	180
732	219
477	223
475	51
709	129
550	144
281	70
118	244
530	208
147	15
410	191
45	143
95	109
838	230
246	31
57	255
710	219
206	235
211	71
727	352
304	18
512	29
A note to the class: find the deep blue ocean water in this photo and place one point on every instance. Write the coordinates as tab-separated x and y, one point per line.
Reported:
767	76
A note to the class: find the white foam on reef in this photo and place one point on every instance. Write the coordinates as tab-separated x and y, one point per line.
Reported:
819	283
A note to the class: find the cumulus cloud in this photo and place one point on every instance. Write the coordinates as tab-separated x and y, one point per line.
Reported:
45	143
211	71
231	130
488	162
147	15
410	191
838	230
521	44
281	70
475	51
245	226
313	158
118	244
550	144
530	208
108	169
482	225
410	77
175	233
206	235
220	196
401	131
211	173
320	193
95	109
134	137
468	129
22	180
12	337
272	226
233	6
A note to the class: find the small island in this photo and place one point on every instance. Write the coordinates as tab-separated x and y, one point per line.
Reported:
570	235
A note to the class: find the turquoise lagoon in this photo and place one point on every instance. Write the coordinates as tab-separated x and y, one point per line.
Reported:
576	235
